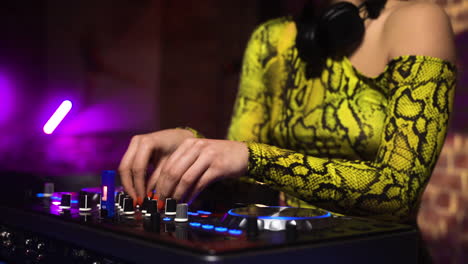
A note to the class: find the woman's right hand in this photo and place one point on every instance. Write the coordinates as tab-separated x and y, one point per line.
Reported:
143	150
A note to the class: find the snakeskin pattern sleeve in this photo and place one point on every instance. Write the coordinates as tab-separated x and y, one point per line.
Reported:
416	97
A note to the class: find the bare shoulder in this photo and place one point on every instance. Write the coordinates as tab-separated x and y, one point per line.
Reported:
419	28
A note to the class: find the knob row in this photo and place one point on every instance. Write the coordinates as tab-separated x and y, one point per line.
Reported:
125	205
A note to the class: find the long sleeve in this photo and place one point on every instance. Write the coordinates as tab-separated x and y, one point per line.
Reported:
252	109
420	97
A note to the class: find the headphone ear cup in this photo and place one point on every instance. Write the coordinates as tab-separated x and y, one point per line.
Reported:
341	29
337	32
309	49
306	42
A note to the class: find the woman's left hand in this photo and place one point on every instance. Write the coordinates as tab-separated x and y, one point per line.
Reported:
197	163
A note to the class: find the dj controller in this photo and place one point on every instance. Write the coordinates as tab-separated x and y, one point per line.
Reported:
103	225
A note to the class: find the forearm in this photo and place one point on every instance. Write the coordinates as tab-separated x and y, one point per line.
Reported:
350	187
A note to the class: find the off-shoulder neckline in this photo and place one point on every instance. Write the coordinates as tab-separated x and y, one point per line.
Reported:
394	60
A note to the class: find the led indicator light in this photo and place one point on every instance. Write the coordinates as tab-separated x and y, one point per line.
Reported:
235	232
104	193
195	224
166	219
207	227
221	229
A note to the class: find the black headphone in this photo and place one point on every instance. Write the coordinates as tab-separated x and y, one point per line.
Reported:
337	31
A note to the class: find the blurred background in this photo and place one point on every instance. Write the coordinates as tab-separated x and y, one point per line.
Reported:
135	66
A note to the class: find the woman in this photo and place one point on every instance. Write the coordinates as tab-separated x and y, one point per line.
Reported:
356	131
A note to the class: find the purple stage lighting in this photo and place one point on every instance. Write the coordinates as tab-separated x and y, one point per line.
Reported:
7	98
57	117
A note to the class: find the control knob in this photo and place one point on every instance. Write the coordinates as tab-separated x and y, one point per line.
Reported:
144	206
151	207
291	230
84	202
5	235
128	208
48	189
171	206
65	203
29	242
118	198
181	213
41	246
121	201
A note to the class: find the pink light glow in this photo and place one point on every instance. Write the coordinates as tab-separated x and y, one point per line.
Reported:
57	117
7	98
104	194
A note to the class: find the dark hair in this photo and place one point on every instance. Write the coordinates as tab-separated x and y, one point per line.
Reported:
333	31
374	7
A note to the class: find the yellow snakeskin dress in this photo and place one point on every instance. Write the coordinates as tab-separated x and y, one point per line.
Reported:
345	142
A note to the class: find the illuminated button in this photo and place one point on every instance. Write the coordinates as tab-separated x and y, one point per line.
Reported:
207	227
203	212
166	219
192	214
195	224
220	229
235	232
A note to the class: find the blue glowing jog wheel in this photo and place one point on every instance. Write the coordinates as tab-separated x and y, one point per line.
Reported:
277	218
